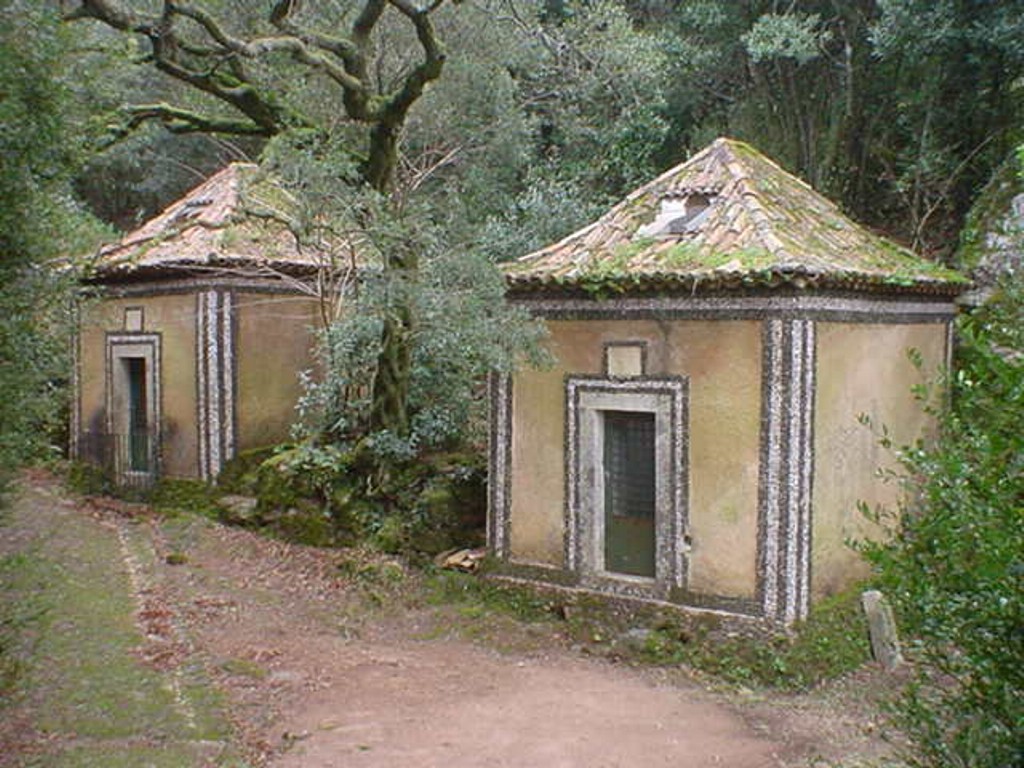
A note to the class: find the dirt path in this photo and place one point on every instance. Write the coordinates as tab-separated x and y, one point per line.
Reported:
324	688
313	678
453	705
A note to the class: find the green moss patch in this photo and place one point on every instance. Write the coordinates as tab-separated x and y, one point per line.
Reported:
82	682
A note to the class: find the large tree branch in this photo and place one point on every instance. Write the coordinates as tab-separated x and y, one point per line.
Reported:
213	29
239	94
166	57
114	15
213	65
289	43
346	50
305	47
178	120
430	69
367	20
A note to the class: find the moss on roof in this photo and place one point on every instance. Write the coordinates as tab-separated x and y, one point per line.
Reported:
239	217
763	227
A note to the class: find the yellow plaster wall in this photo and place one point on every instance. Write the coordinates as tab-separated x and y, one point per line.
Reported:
723	362
862	369
274	343
538	467
173	317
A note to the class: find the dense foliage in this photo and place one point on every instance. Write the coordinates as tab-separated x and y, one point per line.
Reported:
956	567
38	221
900	109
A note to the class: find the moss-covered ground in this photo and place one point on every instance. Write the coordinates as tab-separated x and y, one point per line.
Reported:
78	690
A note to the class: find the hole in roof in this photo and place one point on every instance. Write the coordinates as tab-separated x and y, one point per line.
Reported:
679	215
191	208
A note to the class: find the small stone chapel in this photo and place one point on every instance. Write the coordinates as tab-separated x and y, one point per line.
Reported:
718	338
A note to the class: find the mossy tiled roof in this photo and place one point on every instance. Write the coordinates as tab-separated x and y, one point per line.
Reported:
236	219
762	228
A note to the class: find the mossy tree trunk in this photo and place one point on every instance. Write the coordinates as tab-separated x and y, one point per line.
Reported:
390	396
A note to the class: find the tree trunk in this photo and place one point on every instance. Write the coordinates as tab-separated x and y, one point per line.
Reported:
389	408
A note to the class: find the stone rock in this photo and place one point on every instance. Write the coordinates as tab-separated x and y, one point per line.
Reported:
885	642
466	560
238	509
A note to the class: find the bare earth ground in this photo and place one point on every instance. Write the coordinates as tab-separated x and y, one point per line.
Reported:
322	666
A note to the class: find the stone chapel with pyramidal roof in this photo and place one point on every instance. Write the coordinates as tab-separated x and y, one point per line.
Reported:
720	338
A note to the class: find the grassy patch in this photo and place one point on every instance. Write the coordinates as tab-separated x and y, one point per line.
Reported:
141	754
97	688
480	598
173	496
80	682
832	642
504	617
21	613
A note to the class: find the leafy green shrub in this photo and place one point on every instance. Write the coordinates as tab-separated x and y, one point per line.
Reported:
955	566
324	494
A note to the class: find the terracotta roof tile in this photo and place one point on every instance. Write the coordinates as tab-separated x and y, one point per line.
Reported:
763	222
236	218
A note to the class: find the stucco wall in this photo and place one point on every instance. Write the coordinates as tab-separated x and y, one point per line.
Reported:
173	318
862	369
723	363
274	343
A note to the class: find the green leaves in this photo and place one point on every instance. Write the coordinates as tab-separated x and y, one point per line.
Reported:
39	221
956	566
796	36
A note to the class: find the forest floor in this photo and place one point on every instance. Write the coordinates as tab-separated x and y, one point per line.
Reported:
145	640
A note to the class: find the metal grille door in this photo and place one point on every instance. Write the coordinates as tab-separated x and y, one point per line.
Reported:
629	493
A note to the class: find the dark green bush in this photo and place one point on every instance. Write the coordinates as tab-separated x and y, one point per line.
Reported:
426	505
955	568
240	474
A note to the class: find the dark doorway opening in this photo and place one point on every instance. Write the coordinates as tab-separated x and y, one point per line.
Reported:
138	437
629	493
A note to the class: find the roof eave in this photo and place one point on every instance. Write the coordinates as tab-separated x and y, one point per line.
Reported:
520	286
196	269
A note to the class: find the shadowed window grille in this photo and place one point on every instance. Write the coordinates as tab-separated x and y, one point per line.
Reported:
138	415
629	492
